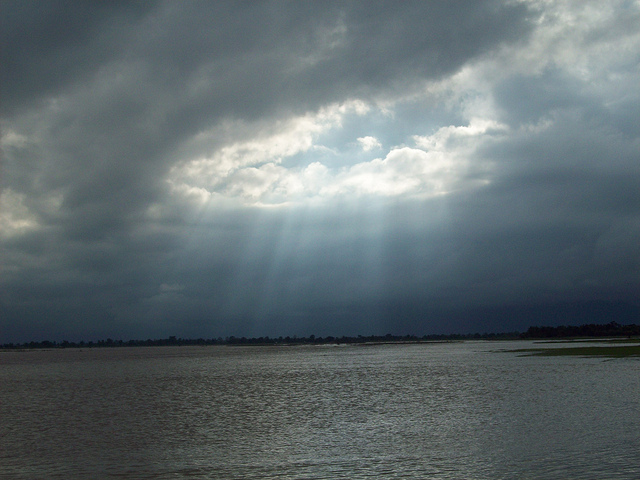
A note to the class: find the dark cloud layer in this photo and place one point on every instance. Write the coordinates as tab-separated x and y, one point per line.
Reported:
279	168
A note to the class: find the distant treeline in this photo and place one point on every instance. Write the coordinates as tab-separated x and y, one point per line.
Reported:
311	340
612	329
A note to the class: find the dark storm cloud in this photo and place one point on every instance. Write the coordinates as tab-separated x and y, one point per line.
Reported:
307	48
49	46
129	81
122	120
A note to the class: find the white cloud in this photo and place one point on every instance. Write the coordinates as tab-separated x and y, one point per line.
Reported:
250	168
593	41
254	183
438	164
15	217
369	143
11	138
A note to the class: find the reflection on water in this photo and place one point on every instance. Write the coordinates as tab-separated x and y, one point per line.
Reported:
440	411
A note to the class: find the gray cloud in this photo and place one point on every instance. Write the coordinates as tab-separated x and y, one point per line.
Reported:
198	168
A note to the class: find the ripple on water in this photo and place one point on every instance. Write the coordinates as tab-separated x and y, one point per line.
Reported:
439	411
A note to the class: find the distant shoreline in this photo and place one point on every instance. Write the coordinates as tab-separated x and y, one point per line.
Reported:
262	341
563	332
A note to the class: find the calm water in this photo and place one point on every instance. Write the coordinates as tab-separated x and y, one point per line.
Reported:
442	411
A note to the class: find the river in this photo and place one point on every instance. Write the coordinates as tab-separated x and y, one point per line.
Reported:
467	410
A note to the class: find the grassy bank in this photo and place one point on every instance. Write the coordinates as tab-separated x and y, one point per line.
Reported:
611	351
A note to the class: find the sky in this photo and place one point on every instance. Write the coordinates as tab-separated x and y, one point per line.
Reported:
206	169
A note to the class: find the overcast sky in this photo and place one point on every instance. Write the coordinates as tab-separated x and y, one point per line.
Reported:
206	169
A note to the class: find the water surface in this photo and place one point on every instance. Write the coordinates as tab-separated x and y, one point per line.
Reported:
442	411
